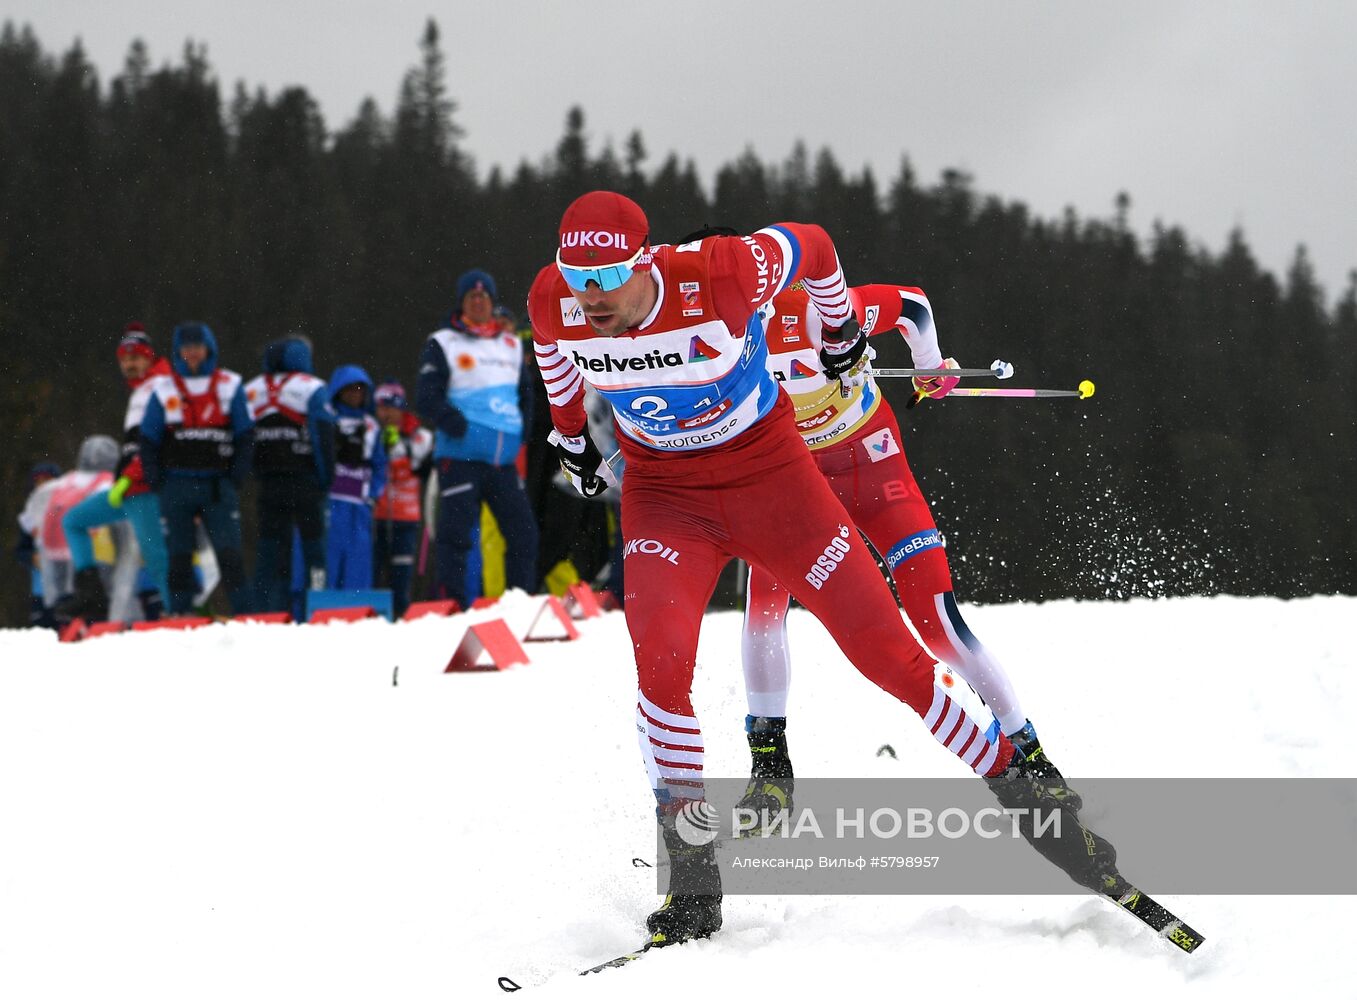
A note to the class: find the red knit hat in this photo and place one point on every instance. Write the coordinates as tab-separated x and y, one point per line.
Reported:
135	341
602	228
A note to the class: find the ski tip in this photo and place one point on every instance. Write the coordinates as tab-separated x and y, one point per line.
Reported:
657	941
1086	389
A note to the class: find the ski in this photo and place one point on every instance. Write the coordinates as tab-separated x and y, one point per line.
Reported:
509	986
1140	905
621	960
1156	916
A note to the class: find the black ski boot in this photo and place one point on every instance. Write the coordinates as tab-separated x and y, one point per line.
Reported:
692	909
89	601
771	781
1076	850
1027	744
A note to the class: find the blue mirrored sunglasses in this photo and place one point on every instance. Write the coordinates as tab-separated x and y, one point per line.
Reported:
608	277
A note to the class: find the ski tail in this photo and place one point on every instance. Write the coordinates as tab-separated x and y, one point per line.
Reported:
1154	915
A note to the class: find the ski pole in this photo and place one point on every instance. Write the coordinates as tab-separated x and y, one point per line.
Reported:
1000	370
1084	391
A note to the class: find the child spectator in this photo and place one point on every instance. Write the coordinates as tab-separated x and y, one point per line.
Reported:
359	477
47	506
26	551
409	448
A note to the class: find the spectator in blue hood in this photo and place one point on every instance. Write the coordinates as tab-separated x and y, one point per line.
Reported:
195	453
476	391
359	478
294	457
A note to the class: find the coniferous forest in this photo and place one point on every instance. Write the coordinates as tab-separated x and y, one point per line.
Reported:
1219	455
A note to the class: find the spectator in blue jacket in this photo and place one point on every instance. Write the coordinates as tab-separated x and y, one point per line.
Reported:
359	478
195	453
294	457
476	391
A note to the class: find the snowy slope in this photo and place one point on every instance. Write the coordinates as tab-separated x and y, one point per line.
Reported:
257	811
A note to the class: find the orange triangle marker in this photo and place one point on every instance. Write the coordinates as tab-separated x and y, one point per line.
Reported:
492	639
581	602
557	609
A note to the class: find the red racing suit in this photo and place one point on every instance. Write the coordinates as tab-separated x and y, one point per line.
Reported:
717	470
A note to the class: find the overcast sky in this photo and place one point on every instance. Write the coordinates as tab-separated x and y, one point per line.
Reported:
1209	114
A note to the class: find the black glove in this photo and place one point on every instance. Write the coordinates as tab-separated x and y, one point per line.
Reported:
843	349
452	422
582	463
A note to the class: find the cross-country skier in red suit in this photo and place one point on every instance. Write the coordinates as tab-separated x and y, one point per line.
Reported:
855	441
671	337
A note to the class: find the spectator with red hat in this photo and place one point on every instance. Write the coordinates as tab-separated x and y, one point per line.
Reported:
476	391
129	498
409	450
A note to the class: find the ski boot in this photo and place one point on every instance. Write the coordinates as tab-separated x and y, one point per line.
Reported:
1025	741
692	909
89	601
771	782
1083	855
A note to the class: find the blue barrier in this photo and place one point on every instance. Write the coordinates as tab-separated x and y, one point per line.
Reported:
378	600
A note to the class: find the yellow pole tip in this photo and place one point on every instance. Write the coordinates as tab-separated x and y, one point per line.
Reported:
1085	389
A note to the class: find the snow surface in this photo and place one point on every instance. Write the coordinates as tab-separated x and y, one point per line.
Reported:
258	811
